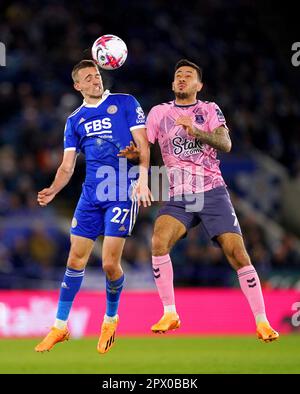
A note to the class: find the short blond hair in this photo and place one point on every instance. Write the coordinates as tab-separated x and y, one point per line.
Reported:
85	63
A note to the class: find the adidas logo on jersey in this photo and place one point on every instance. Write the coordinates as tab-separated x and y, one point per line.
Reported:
81	120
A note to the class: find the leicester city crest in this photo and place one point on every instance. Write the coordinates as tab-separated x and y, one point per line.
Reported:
112	109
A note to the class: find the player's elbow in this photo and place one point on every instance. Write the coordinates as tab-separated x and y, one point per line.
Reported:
227	147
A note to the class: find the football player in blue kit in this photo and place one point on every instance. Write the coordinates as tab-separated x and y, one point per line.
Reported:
100	128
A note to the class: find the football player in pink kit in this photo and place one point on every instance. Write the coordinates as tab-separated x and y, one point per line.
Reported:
190	132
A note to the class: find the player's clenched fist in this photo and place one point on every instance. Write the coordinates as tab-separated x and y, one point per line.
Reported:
45	196
187	124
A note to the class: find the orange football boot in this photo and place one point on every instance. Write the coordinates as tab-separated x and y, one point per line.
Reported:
169	321
55	335
266	333
107	336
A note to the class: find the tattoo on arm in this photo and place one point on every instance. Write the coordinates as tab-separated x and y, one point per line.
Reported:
218	139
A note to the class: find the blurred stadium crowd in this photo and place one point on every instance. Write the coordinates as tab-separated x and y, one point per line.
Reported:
242	73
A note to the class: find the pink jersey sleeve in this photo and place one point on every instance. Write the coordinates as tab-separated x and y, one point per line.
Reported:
152	126
216	117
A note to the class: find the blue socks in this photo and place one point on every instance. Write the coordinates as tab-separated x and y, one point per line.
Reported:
69	288
113	292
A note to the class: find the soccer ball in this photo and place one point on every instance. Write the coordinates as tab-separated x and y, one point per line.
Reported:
109	52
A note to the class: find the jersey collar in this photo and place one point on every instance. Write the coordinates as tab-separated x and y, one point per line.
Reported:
105	94
185	106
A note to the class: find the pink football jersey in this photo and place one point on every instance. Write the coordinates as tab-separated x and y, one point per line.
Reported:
192	166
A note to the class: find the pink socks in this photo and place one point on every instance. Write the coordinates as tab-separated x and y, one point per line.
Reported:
250	285
163	275
248	278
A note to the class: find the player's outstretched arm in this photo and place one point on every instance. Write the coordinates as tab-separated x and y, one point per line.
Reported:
219	138
62	177
142	191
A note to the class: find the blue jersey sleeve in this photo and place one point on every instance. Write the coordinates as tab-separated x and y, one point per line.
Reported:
135	114
71	139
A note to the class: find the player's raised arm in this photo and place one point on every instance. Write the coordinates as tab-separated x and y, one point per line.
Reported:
218	138
143	193
62	177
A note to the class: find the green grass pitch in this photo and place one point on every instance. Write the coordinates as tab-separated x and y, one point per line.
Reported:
155	355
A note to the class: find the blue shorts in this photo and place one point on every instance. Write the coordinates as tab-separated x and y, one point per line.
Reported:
93	218
216	215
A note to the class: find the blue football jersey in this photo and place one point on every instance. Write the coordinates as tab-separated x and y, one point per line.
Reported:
100	131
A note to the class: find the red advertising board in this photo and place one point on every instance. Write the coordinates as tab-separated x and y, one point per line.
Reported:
202	311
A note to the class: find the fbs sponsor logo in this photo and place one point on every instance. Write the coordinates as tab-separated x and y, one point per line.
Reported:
98	125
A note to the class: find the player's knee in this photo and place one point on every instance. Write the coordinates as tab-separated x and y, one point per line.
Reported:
77	260
239	257
109	267
160	246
